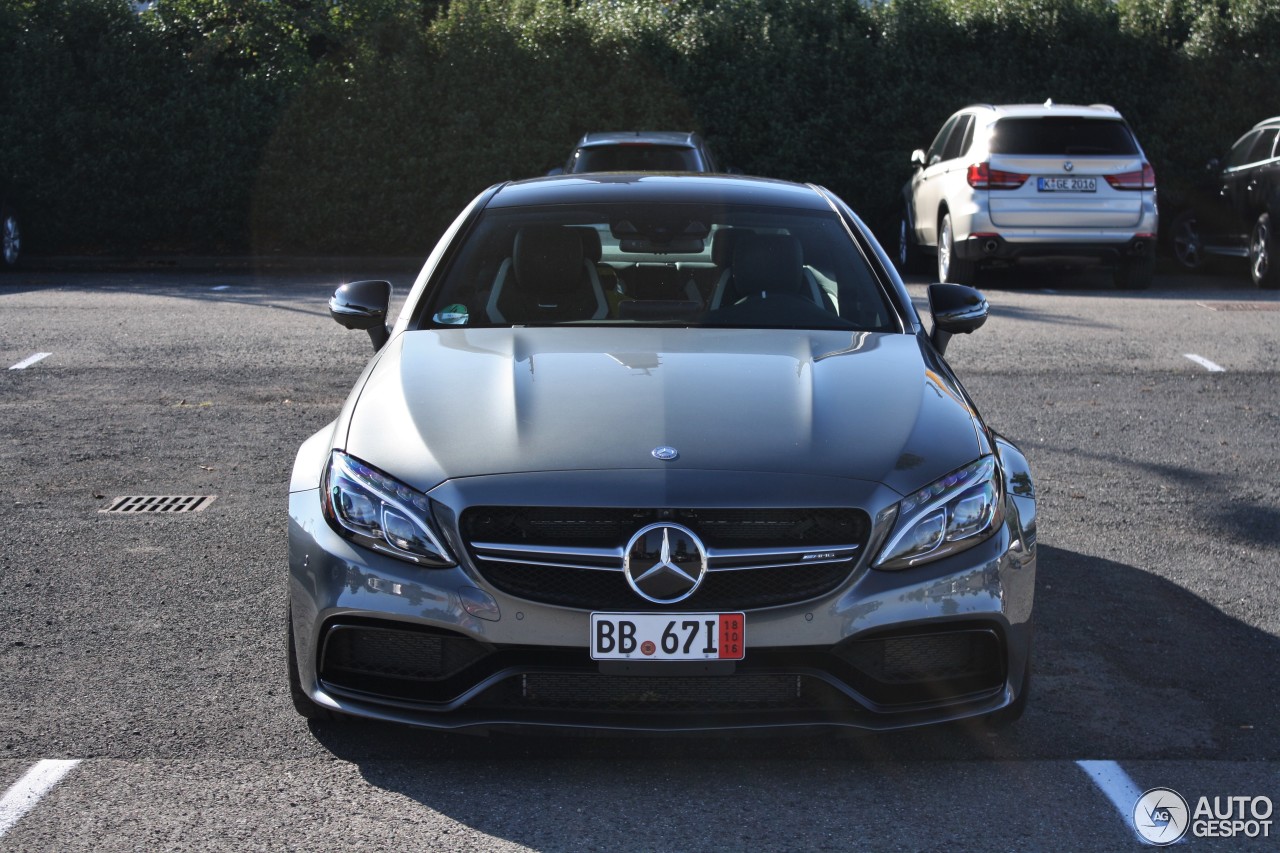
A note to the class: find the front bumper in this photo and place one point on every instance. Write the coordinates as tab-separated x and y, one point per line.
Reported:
382	639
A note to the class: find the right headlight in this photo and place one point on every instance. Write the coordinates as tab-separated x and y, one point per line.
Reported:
948	516
380	512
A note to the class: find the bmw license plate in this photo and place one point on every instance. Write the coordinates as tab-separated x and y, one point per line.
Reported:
668	636
1067	185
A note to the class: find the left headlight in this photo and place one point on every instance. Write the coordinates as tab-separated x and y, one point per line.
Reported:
378	511
948	516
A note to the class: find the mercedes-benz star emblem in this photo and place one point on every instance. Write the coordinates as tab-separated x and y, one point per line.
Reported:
665	563
1068	166
665	453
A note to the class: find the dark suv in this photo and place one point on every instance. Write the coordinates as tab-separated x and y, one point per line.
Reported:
639	151
1235	214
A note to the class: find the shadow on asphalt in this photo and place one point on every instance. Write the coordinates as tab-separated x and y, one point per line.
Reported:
1127	666
1095	280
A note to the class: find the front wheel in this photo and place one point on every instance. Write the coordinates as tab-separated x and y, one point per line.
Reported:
951	268
1013	712
10	240
1262	254
302	703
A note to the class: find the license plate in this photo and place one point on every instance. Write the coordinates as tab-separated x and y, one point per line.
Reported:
668	636
1067	185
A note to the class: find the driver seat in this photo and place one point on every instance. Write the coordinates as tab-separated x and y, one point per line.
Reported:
765	264
547	279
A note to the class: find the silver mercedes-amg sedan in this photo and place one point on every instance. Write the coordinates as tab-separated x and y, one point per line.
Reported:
660	453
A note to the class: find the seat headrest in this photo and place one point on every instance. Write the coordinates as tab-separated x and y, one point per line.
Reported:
768	263
591	248
722	245
547	259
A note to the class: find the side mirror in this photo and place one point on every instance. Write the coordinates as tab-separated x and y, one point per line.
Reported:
558	170
917	158
956	310
363	305
1213	165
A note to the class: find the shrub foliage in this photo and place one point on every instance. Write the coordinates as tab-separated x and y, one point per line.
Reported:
363	126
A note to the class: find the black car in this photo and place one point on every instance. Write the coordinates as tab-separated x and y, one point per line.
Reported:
1234	215
639	151
10	231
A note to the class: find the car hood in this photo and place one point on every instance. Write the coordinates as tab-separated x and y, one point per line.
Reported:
455	403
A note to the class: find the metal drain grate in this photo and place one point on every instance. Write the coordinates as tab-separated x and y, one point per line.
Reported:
1242	306
134	504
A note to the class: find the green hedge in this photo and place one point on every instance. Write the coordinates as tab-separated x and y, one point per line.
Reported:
363	126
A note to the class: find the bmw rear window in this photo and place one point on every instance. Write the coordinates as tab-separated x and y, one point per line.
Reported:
1062	135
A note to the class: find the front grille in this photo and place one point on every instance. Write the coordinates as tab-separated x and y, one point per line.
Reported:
599	590
611	527
572	557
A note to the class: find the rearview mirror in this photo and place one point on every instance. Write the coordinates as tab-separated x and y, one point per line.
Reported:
956	310
363	305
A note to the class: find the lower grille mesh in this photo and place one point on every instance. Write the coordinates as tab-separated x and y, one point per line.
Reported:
594	692
390	653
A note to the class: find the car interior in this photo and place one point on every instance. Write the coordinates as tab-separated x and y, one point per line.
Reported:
792	271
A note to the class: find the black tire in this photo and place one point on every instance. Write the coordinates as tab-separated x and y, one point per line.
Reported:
301	701
950	268
1135	274
1264	254
10	240
1009	715
908	257
1186	243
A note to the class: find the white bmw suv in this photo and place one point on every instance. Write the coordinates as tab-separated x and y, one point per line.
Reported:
1001	184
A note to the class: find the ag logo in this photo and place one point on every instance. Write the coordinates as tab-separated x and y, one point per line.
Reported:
1161	816
665	563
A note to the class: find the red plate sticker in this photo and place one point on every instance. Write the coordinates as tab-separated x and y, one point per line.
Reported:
731	636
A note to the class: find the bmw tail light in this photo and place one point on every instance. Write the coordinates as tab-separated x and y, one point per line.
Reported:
983	177
1140	179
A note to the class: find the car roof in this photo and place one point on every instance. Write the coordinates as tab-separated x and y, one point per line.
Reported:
1049	108
659	188
634	137
1266	122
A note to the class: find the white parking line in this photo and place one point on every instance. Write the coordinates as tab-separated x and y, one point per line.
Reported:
23	795
30	360
1205	363
1118	788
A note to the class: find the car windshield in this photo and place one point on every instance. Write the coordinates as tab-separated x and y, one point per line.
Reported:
1062	135
636	157
673	264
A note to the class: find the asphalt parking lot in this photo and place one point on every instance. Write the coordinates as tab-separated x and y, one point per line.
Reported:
146	651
